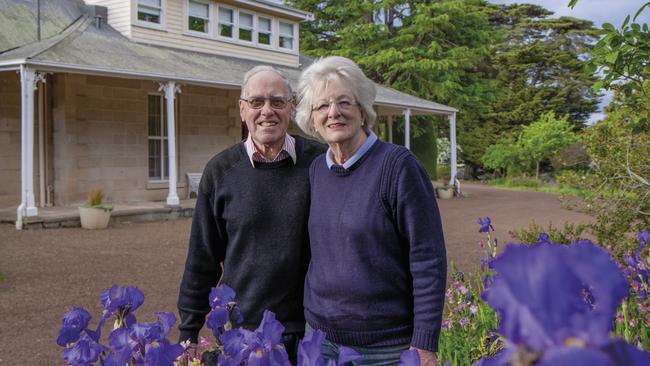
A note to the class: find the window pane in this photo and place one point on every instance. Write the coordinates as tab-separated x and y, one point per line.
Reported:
246	34
264	38
264	24
164	119
286	29
198	24
154	115
154	159
245	20
225	30
152	16
286	42
164	160
199	10
225	22
152	3
225	15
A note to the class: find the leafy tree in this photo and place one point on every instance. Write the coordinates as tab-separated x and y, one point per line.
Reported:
436	50
619	146
544	138
504	156
536	143
539	66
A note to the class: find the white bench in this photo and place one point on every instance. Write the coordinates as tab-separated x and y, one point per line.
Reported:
193	180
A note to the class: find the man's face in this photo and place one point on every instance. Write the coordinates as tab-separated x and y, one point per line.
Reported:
266	125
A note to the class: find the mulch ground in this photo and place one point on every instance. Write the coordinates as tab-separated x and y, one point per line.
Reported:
46	272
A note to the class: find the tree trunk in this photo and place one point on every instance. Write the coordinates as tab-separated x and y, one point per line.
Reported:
537	169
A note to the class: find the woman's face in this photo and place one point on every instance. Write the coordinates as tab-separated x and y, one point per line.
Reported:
336	115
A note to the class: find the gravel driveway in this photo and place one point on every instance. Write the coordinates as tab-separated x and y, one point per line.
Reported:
48	271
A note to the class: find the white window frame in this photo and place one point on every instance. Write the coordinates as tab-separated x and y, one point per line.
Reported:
143	23
257	31
214	28
209	19
162	138
253	27
235	25
164	164
294	48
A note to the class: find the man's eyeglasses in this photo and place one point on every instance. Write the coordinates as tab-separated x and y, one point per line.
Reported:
259	102
342	104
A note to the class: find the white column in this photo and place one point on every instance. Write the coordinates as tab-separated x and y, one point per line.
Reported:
28	83
452	140
389	125
171	88
407	128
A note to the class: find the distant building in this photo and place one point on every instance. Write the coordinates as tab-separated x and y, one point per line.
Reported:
89	104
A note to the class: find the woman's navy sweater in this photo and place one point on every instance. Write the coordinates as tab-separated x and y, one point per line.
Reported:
378	263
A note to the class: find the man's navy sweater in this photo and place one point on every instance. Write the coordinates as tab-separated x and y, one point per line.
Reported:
378	268
254	220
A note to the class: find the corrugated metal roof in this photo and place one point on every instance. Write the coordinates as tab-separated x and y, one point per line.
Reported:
81	47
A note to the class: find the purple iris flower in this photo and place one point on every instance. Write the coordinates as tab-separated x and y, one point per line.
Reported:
529	279
234	346
644	237
409	358
74	322
309	349
539	293
221	295
121	301
224	310
309	352
270	330
486	224
144	343
161	353
261	347
543	238
84	352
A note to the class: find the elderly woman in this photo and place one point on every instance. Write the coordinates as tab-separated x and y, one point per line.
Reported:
376	280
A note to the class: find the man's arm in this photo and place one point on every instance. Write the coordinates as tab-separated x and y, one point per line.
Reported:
202	267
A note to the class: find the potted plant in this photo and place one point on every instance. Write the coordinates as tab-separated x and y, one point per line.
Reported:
95	214
445	191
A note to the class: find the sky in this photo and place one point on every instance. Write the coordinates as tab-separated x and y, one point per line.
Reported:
599	12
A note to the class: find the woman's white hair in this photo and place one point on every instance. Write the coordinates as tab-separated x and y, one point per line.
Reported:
315	78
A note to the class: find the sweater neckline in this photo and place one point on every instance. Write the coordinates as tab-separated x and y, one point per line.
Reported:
340	171
273	164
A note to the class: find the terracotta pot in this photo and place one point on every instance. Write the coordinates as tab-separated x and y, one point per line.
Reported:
94	218
445	193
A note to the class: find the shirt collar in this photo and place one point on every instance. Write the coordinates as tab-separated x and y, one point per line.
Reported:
357	155
289	146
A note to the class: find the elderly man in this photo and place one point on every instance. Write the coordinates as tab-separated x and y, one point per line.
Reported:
251	216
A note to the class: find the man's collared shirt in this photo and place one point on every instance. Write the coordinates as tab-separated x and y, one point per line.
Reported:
357	155
288	151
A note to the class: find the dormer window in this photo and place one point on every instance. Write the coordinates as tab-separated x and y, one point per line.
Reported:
150	11
246	26
226	22
264	31
286	38
198	16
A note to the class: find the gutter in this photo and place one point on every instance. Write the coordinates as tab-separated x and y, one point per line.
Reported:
82	69
449	111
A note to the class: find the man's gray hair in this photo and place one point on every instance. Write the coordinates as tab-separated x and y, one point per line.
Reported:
315	78
262	68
